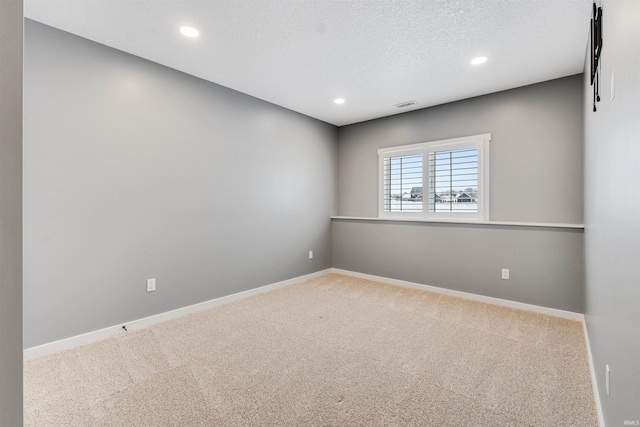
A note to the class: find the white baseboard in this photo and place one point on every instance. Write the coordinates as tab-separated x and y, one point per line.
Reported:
466	295
594	380
140	323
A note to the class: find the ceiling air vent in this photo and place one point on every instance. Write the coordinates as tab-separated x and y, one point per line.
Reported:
406	104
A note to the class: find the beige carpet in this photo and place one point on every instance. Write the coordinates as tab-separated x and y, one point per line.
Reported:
332	351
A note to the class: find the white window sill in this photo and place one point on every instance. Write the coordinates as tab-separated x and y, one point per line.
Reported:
461	221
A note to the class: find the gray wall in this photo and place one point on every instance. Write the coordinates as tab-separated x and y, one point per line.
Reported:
612	234
133	170
11	212
536	176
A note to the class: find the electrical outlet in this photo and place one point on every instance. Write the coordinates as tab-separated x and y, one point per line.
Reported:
151	285
607	377
310	254
505	274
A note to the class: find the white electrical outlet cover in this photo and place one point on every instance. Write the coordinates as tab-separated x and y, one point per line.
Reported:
151	285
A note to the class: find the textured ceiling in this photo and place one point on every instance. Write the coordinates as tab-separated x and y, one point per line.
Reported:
374	54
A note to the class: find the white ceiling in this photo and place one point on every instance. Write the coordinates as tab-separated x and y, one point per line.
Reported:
374	54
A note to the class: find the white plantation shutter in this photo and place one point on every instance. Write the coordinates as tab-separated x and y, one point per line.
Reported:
453	180
452	174
402	176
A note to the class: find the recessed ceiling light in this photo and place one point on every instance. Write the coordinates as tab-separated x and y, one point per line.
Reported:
189	31
479	60
338	101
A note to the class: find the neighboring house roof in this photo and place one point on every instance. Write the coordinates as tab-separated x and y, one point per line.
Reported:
455	197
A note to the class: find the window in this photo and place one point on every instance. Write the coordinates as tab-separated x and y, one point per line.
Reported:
446	179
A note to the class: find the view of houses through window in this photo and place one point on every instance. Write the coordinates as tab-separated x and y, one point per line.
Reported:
453	182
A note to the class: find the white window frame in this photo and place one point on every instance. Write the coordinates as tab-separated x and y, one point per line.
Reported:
481	142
